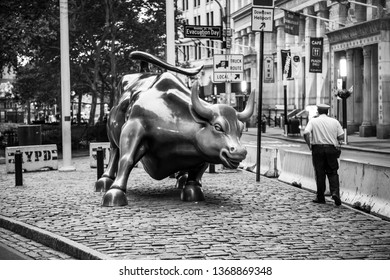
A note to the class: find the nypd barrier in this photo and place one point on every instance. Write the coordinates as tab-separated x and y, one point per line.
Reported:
362	185
34	158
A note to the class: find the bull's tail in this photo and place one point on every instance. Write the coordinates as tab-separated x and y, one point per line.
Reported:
156	61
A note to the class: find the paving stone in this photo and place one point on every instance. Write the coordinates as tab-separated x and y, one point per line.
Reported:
267	220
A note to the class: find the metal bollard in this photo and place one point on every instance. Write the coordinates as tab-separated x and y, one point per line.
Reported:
212	168
99	162
18	169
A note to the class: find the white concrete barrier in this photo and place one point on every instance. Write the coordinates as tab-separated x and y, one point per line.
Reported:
296	168
365	186
362	185
268	161
34	158
93	146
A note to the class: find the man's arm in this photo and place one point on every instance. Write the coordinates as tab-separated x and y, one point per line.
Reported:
307	139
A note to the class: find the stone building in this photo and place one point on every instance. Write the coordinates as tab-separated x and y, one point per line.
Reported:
354	33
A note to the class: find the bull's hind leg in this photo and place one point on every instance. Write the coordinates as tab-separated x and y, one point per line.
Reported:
131	151
192	190
105	182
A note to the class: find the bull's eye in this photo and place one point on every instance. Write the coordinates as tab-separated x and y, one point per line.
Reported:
218	127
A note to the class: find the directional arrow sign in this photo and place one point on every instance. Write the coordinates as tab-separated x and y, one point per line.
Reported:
227	77
262	19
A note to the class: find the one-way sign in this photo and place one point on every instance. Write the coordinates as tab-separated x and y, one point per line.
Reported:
263	3
262	19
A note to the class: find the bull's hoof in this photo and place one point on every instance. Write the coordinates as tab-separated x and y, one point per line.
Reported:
114	197
192	192
103	184
181	181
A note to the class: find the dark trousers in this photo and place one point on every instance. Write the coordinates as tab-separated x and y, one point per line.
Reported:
326	165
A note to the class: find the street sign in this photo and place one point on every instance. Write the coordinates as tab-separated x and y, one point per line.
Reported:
263	3
228	68
262	19
224	63
203	31
228	77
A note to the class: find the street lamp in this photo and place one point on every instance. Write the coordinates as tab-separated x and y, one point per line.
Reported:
343	85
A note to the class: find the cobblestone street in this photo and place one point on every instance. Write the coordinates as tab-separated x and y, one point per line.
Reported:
240	219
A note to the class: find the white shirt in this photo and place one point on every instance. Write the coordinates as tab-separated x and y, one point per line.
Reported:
324	130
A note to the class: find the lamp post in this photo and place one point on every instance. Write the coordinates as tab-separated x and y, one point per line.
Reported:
343	84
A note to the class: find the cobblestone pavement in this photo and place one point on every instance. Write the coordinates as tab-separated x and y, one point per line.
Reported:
30	248
240	219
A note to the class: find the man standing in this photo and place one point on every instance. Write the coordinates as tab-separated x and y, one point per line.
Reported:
326	135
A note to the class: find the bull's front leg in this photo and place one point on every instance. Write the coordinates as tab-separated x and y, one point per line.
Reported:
192	190
131	151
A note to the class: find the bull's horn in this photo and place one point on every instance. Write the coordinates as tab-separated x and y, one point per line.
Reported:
156	61
199	108
248	111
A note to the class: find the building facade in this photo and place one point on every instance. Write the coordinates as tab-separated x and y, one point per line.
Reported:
354	33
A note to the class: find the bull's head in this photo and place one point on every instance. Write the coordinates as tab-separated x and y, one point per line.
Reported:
219	139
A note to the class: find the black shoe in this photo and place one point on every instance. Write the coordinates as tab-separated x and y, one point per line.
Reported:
337	200
319	201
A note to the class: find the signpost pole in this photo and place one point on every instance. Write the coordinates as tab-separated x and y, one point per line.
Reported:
228	87
260	106
262	21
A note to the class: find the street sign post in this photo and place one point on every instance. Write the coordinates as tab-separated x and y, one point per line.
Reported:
228	67
263	21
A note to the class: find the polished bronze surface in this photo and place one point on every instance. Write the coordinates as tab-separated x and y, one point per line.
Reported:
158	121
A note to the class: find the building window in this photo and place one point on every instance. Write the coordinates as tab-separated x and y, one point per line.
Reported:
212	18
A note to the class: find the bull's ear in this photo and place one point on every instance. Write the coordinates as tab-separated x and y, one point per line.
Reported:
248	111
197	105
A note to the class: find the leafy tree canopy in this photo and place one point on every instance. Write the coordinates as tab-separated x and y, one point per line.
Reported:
102	34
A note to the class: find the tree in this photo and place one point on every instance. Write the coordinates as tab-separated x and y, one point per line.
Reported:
105	33
102	35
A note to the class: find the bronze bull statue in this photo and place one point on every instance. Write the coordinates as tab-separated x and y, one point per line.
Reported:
161	123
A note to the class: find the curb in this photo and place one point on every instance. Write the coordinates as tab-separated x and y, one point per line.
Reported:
52	240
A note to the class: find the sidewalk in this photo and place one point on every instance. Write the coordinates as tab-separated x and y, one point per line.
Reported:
367	144
240	219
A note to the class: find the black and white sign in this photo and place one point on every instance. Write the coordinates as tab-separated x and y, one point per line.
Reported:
262	19
316	49
203	31
263	3
228	67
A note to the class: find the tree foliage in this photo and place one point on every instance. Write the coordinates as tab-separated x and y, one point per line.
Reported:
102	34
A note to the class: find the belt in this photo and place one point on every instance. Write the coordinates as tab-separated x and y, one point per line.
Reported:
323	145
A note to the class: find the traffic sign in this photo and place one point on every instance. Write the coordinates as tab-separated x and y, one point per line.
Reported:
263	3
228	77
224	63
262	19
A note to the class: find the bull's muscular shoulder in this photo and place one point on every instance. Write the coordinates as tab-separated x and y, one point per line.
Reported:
131	86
